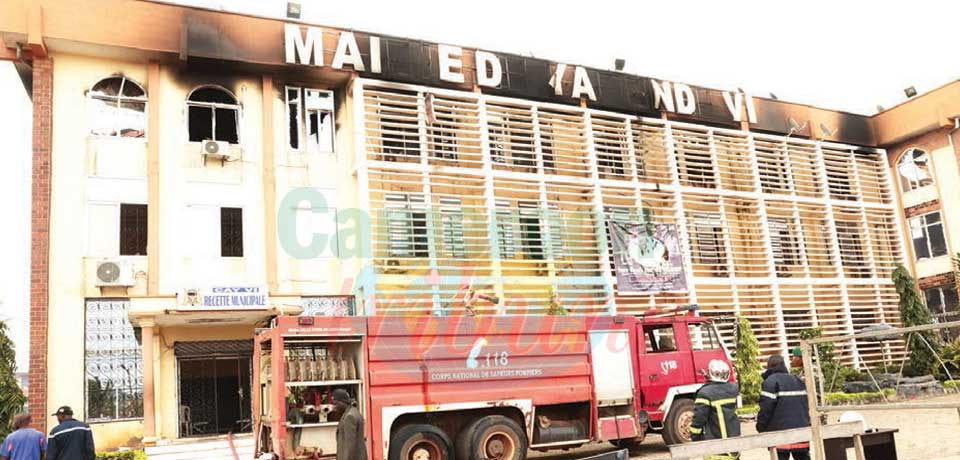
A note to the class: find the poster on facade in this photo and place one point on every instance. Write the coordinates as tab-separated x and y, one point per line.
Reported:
646	258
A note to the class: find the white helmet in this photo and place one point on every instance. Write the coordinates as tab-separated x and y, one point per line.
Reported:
718	371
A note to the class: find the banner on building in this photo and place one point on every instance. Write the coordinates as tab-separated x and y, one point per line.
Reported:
646	257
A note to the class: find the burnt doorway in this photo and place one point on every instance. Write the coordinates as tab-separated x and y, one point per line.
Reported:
214	389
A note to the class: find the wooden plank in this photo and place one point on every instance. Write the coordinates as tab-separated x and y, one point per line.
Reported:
858	447
884	333
806	350
892	406
763	440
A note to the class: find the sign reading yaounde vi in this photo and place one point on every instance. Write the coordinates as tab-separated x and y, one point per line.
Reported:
225	298
646	257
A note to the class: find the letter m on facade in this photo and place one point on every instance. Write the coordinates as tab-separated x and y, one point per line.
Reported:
303	49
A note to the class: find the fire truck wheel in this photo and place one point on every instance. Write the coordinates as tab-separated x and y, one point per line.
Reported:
420	442
493	437
676	427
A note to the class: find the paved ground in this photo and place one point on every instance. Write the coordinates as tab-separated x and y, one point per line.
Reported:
924	435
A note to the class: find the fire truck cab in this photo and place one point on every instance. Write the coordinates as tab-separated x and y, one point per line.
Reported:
478	387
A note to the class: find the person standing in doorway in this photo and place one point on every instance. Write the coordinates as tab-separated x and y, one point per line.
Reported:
24	443
71	439
783	405
350	439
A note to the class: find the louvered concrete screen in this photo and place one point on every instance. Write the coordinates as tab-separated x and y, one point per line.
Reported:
512	197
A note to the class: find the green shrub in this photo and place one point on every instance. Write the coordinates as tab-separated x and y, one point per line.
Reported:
834	373
122	455
950	354
913	312
951	385
841	398
746	362
748	409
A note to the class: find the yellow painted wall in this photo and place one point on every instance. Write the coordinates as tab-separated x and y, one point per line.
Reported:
73	184
948	180
111	435
92	176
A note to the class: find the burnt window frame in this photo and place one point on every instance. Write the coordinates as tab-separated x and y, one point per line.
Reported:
119	99
136	223
923	224
233	232
909	185
236	107
303	122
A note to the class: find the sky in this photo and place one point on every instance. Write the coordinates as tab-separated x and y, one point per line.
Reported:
848	55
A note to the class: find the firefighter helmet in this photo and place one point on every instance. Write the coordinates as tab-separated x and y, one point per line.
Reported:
718	371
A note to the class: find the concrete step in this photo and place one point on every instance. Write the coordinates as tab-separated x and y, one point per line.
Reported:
217	448
224	454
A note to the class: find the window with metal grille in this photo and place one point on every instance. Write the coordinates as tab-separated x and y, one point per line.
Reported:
784	242
708	242
926	231
451	222
112	362
213	114
531	239
133	229
441	130
399	130
406	225
851	250
914	170
118	108
310	115
511	142
546	149
231	232
506	240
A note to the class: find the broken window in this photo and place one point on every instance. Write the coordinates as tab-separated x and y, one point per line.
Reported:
310	119
231	232
914	170
926	231
133	229
942	302
118	108
213	114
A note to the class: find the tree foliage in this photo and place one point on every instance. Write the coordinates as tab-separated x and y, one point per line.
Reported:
11	396
913	312
746	362
834	373
555	307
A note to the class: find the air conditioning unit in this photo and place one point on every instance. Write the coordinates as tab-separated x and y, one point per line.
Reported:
115	273
218	149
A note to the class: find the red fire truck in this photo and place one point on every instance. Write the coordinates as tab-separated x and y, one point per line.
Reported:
478	387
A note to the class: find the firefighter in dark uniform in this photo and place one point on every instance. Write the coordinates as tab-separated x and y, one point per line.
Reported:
783	405
715	409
